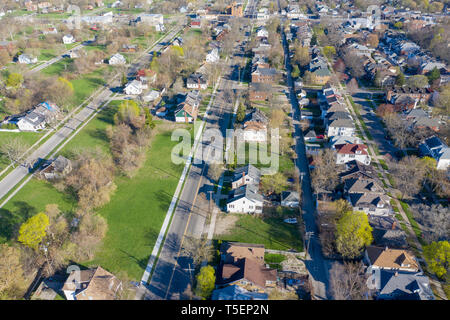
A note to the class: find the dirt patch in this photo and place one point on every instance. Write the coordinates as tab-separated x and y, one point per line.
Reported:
294	264
224	223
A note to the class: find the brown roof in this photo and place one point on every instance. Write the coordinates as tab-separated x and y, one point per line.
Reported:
234	251
95	284
391	258
254	125
351	148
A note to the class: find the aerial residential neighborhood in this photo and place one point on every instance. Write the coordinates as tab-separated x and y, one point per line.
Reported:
224	150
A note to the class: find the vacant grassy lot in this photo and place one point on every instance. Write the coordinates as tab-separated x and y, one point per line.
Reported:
137	210
31	199
28	138
272	232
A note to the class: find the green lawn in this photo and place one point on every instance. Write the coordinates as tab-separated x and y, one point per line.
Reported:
29	138
136	211
47	54
272	232
57	68
31	199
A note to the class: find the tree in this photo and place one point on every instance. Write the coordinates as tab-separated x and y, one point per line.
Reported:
34	230
13	149
433	75
301	56
329	51
325	175
129	113
352	86
417	81
372	40
355	64
240	114
10	267
398	25
87	238
149	123
348	281
437	255
353	233
14	80
205	281
295	71
408	174
400	80
434	221
275	183
91	180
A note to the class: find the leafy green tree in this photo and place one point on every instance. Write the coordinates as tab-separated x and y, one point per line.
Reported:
400	80
128	113
154	65
149	119
329	51
240	114
34	230
437	255
295	72
398	25
353	233
124	80
417	81
205	281
275	183
433	75
14	80
178	50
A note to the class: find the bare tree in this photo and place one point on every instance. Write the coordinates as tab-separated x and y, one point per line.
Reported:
348	281
434	221
325	175
14	149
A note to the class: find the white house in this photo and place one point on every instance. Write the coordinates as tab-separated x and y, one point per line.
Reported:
117	59
262	33
263	14
68	39
341	127
349	152
255	131
152	19
26	59
245	199
134	87
213	56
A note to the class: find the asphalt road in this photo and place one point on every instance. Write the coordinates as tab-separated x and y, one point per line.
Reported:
173	270
318	267
20	172
171	274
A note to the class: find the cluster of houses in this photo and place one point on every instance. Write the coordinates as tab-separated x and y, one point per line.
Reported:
395	274
36	118
362	187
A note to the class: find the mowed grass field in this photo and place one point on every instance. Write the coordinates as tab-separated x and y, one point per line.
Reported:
136	210
273	233
28	138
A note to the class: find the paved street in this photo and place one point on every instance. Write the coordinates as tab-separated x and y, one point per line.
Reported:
20	172
318	267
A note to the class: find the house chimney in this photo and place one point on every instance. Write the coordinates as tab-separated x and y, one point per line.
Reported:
243	178
396	273
394	224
